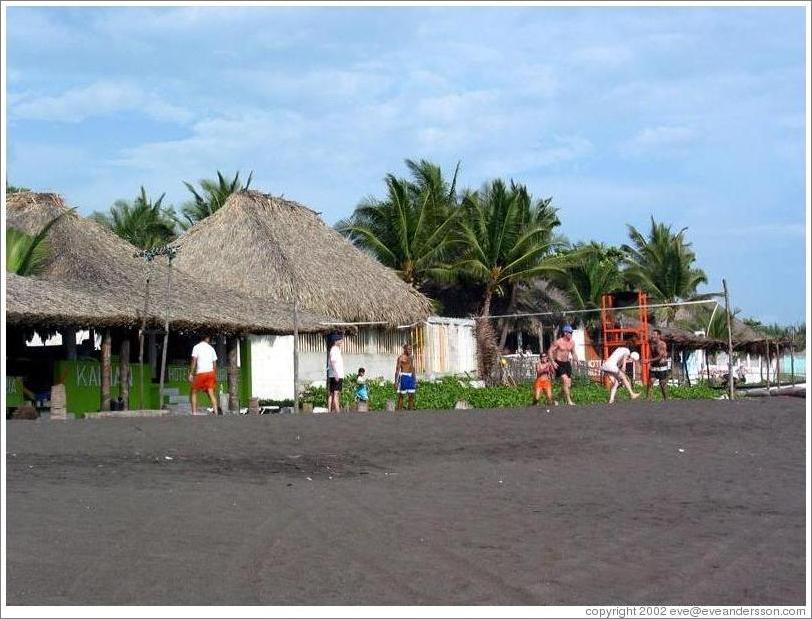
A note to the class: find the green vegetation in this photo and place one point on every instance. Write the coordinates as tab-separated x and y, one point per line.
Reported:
27	255
211	197
142	222
444	393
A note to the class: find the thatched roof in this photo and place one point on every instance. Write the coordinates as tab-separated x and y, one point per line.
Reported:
255	240
35	302
96	264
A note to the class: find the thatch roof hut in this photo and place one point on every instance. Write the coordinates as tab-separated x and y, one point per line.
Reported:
35	302
255	241
102	279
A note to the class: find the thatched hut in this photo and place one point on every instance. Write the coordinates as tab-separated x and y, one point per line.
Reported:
265	246
260	244
85	254
95	279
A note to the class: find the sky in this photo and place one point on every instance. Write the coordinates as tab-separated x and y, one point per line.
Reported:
695	116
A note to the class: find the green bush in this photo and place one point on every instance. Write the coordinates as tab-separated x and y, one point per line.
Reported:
445	392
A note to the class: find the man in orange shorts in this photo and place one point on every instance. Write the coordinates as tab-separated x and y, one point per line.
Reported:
203	373
544	372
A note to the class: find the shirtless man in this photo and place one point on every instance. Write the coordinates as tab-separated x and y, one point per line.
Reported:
405	378
659	364
562	354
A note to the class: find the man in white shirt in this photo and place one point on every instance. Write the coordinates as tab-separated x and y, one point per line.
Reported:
335	374
614	366
203	372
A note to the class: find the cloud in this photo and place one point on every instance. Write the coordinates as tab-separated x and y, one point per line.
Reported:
603	56
100	98
658	139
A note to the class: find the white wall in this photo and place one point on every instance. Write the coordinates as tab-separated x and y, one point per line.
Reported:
450	346
272	366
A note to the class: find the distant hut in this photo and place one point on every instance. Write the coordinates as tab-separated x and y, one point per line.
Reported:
264	246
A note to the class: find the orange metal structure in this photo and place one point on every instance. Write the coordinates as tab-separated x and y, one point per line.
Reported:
616	334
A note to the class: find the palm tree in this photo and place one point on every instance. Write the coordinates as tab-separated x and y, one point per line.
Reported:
144	223
410	230
506	238
662	264
27	255
593	271
211	197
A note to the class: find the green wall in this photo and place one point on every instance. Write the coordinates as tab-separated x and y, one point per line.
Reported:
14	391
82	380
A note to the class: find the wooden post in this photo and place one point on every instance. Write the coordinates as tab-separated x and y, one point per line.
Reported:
166	335
707	365
124	371
767	364
777	366
106	350
141	341
69	339
792	361
730	391
233	374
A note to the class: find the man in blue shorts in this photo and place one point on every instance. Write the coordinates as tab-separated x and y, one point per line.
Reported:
405	377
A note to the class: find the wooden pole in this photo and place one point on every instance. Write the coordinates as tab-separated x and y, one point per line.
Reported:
106	350
296	352
777	366
730	392
767	364
233	373
69	339
166	334
143	328
124	371
792	360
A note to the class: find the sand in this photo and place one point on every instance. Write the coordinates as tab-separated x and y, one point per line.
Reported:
698	502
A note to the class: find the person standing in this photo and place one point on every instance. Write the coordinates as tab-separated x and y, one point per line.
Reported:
203	372
335	374
562	354
614	367
405	378
544	372
659	361
362	389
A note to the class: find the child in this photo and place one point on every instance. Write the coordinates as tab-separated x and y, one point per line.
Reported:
361	390
544	371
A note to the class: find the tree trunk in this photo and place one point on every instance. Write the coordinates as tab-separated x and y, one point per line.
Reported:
124	371
506	321
486	302
69	339
106	351
233	375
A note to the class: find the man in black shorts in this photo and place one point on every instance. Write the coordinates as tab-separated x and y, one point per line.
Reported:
562	354
660	364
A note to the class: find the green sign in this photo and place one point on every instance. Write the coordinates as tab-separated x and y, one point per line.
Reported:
82	380
14	391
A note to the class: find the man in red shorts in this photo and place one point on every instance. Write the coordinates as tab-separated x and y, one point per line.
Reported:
203	373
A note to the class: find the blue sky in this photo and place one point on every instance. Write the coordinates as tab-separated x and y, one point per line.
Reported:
692	115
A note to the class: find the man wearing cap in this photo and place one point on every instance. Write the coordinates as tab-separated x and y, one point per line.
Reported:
614	366
335	373
562	354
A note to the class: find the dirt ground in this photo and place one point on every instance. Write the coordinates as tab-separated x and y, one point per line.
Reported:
680	503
